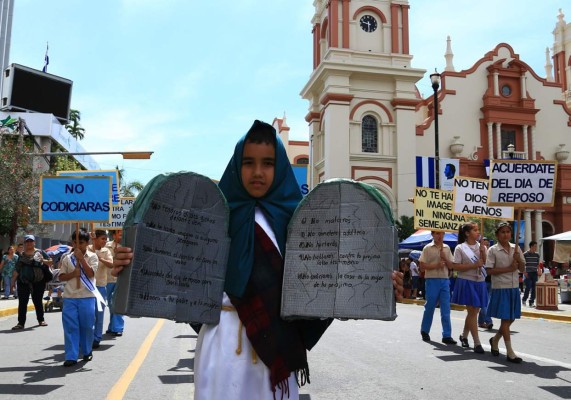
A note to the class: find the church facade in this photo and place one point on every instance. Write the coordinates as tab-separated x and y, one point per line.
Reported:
367	120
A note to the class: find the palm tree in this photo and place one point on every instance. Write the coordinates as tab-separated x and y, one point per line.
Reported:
74	127
131	189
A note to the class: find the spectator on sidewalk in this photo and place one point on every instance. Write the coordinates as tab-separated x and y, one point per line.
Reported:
435	260
7	267
415	274
105	263
30	280
407	278
531	265
19	249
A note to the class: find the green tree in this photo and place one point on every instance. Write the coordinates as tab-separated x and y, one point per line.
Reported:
74	127
19	195
405	227
131	189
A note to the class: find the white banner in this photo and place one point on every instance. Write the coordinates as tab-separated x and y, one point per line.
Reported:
118	214
471	197
522	182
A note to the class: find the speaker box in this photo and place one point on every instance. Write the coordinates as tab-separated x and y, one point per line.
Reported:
27	89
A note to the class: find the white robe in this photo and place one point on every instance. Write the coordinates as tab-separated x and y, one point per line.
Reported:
220	373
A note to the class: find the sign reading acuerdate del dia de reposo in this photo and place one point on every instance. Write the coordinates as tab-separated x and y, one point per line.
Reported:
75	199
522	183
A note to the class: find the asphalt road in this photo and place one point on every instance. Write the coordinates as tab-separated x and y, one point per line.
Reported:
354	360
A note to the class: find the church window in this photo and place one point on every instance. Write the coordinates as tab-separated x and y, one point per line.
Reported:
506	90
369	134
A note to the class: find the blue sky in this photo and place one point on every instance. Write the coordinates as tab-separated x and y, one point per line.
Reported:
186	78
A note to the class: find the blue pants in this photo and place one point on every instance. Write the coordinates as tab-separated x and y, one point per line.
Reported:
116	322
437	290
99	315
7	280
530	282
78	319
482	316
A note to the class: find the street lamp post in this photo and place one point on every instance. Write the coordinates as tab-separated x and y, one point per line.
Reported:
435	79
127	155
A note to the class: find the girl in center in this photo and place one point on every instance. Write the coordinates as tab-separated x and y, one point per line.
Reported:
252	353
470	288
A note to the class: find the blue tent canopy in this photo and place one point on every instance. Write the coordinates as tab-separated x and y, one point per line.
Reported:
422	237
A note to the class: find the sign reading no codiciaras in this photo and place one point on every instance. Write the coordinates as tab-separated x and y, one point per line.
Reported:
78	199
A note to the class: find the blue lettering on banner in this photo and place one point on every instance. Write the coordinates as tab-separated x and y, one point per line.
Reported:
110	173
300	173
64	199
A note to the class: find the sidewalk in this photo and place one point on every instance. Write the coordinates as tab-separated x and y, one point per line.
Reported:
562	315
10	307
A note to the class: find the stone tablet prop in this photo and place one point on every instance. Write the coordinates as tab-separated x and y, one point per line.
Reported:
178	230
340	254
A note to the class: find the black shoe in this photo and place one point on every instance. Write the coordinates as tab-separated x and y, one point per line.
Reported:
495	352
88	357
109	332
515	360
95	344
523	302
448	340
69	363
531	304
464	342
117	334
425	336
479	349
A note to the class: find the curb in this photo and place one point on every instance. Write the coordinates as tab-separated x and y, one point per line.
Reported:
524	313
12	311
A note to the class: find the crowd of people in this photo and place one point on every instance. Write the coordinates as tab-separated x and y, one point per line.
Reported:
483	278
262	194
87	289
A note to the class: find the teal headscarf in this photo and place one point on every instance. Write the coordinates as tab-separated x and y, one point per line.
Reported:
278	205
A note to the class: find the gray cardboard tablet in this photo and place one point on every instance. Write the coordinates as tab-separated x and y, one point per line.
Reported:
340	254
177	229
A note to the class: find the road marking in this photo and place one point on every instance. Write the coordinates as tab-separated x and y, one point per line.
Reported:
118	391
526	356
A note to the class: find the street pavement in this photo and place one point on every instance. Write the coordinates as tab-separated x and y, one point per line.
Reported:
10	307
355	359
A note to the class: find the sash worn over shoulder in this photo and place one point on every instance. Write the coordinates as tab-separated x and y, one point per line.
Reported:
89	285
472	257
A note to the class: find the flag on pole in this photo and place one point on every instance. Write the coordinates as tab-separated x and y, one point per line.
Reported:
425	169
46	60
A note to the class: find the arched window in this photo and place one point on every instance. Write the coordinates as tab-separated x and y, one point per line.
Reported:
302	160
369	134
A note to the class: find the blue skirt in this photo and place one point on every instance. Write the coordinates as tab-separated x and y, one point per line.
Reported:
505	304
470	293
